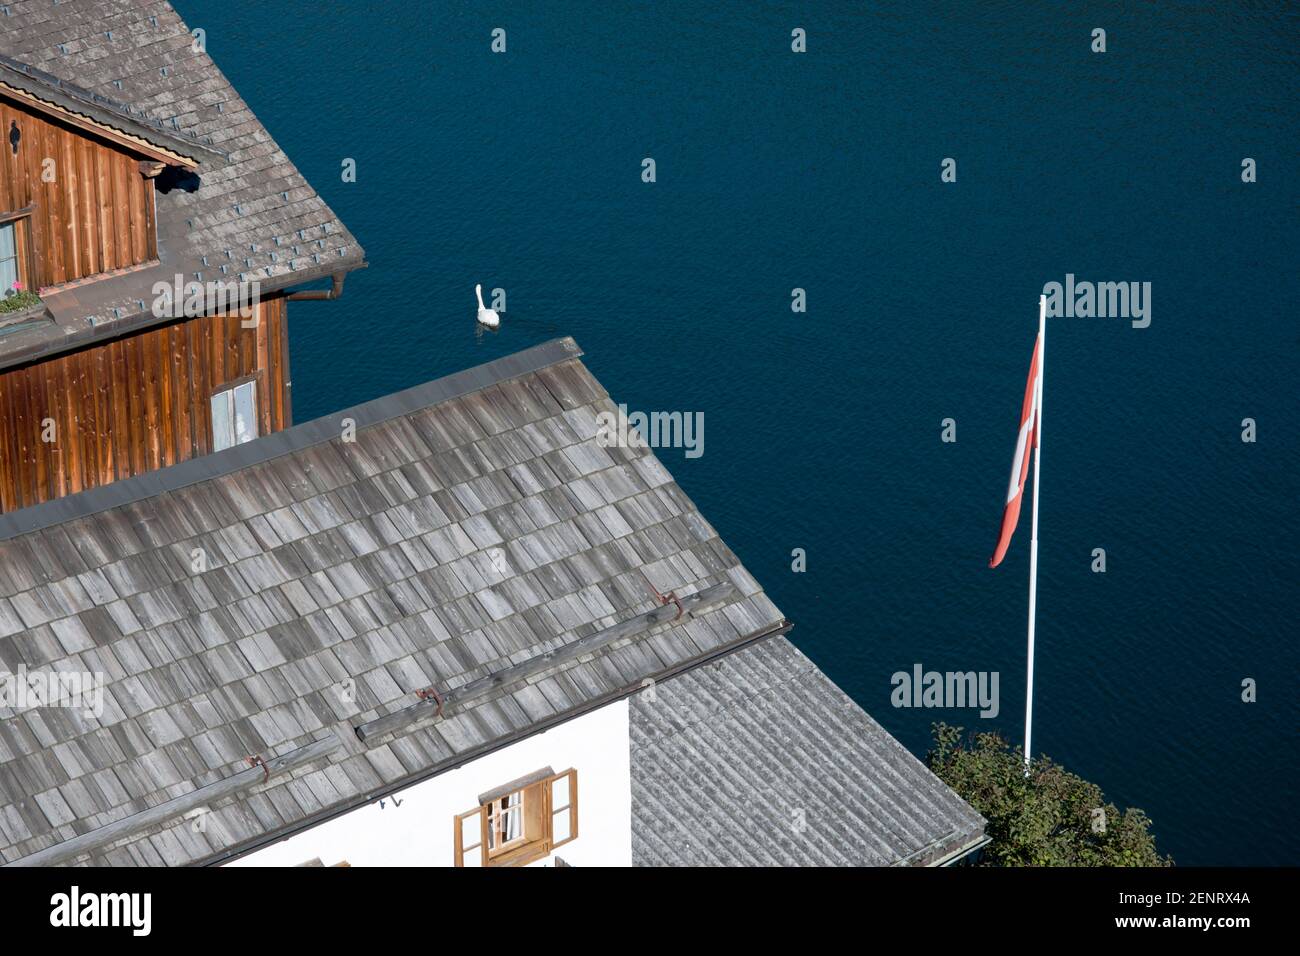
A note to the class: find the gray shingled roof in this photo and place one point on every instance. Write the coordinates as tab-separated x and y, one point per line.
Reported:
104	110
244	203
758	759
474	524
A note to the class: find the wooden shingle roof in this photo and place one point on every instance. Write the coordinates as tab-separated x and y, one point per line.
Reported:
250	212
52	91
474	524
758	759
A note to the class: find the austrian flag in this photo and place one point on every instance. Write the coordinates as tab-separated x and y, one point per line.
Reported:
1025	442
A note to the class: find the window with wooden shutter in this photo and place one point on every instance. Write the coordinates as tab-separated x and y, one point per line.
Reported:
520	822
562	802
471	837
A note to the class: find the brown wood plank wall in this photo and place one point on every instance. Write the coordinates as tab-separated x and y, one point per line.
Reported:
135	404
95	215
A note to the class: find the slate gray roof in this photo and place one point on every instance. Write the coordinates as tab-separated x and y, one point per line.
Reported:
139	55
758	759
474	523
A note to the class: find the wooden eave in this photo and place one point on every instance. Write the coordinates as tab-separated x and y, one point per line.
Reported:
129	141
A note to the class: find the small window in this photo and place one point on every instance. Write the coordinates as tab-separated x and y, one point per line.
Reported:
520	822
505	822
234	416
16	253
9	278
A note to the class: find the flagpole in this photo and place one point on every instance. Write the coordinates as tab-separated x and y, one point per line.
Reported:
1033	539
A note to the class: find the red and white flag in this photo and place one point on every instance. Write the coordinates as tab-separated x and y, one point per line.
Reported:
1025	442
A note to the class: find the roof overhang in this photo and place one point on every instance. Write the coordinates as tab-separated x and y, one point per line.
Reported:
249	847
102	117
54	338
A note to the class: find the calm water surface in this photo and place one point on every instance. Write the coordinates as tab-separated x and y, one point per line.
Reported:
821	171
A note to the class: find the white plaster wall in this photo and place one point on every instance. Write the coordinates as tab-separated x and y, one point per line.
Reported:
420	831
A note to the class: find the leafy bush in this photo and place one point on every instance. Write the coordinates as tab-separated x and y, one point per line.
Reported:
1049	818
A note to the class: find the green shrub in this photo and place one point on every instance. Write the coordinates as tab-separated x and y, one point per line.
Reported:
1049	818
19	299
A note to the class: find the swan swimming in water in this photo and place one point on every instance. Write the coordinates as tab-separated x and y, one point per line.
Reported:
486	316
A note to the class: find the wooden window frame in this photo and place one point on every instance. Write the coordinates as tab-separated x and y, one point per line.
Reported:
498	814
252	376
537	817
22	222
255	378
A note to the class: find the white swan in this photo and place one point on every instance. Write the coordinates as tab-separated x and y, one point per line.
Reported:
486	316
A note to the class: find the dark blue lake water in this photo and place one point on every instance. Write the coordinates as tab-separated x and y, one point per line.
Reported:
821	171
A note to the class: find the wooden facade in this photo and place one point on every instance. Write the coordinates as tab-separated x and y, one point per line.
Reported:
82	204
134	404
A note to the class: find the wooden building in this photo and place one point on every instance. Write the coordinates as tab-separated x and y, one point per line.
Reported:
130	166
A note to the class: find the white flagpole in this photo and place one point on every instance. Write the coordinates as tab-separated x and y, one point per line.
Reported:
1033	539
